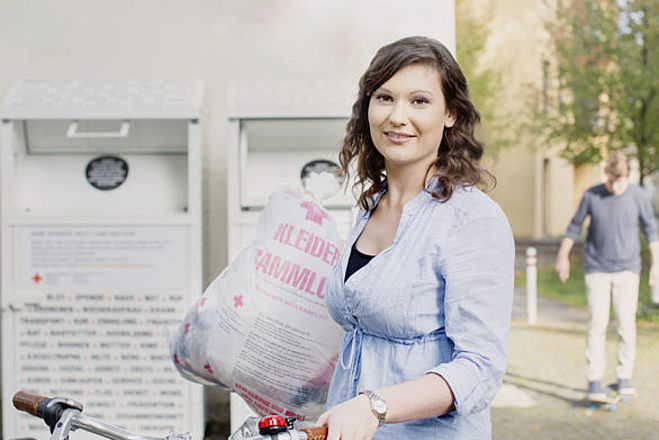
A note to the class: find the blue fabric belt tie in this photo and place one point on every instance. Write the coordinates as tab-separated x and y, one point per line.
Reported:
353	349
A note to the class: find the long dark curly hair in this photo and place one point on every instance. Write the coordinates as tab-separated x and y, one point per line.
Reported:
459	153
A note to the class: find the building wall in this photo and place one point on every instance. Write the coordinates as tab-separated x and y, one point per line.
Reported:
585	176
559	190
514	49
515	169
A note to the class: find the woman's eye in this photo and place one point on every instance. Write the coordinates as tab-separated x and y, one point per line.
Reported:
383	98
420	101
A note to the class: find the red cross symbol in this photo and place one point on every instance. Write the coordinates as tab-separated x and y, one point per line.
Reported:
36	278
290	192
208	368
203	300
238	301
315	212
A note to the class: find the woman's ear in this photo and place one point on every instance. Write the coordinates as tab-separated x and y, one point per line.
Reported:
449	119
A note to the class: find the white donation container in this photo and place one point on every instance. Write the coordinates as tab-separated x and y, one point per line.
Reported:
268	149
101	248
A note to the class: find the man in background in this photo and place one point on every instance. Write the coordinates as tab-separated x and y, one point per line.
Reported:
612	266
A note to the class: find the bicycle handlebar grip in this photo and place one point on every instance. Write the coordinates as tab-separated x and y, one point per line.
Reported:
316	432
28	402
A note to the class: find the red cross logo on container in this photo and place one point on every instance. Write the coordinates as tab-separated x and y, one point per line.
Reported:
36	278
315	212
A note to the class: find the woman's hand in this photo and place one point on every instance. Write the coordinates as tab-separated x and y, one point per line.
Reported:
421	398
351	420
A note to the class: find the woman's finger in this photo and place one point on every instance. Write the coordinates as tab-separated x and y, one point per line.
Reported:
322	420
333	433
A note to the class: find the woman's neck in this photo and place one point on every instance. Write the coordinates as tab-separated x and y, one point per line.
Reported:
404	184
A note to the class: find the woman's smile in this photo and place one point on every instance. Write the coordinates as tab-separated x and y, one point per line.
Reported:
397	137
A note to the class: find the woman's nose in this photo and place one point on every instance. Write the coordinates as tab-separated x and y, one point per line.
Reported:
398	115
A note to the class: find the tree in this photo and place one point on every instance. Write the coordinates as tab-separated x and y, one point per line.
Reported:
636	89
606	90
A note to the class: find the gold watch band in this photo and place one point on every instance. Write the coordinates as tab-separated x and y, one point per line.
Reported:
376	402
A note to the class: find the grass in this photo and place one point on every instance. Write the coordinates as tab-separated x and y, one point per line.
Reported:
573	292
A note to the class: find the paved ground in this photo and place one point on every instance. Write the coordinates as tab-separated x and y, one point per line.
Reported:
546	371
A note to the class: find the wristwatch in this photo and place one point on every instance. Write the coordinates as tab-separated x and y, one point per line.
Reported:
378	405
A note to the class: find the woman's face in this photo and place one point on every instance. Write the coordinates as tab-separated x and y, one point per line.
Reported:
407	115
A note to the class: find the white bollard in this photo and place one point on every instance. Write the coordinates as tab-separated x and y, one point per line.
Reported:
531	285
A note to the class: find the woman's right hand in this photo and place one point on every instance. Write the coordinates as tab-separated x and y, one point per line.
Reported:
350	420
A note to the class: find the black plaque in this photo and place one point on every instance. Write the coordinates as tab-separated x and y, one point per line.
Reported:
106	172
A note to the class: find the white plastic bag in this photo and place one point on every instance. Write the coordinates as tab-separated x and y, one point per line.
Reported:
262	328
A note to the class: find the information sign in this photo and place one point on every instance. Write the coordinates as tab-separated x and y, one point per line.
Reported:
91	307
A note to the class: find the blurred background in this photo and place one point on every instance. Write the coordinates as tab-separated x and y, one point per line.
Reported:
559	83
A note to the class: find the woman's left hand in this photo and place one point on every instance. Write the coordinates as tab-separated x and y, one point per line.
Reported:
351	420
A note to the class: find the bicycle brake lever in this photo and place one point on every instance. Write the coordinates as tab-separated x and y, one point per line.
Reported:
70	403
63	425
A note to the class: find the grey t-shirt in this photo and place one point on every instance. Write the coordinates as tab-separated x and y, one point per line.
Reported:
612	242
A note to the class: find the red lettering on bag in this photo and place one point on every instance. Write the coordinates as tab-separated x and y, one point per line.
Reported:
291	274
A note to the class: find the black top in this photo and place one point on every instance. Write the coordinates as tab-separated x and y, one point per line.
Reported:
356	261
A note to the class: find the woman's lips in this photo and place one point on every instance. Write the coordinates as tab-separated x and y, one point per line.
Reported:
398	137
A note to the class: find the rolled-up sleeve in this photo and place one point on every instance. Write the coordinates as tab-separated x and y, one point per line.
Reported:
478	270
648	221
574	228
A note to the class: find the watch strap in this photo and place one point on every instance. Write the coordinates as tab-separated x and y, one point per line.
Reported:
372	397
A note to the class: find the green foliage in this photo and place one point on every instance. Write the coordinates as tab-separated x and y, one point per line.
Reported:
472	32
639	81
605	94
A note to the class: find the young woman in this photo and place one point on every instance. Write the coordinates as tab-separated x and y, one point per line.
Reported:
424	287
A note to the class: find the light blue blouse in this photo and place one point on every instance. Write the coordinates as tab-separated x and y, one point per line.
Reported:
438	300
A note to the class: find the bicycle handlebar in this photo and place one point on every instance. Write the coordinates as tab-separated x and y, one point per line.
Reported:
28	402
50	410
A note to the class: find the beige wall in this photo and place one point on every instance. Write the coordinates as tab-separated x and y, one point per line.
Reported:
515	170
513	48
538	190
559	189
585	176
301	42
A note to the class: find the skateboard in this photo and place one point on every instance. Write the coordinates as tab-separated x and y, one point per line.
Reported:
610	402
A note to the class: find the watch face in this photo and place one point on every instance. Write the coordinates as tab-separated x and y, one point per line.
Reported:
380	406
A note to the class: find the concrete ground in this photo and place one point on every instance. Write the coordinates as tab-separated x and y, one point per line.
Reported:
544	388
